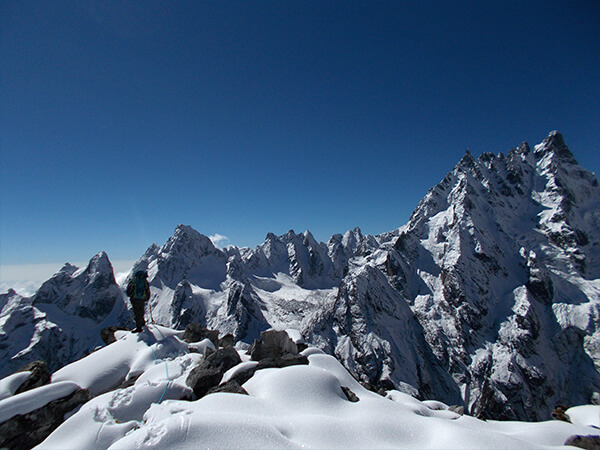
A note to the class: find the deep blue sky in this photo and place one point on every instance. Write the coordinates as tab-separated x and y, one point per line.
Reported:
119	120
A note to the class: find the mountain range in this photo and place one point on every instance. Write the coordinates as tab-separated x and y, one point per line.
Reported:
488	297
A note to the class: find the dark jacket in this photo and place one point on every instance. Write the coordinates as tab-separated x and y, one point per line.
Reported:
142	293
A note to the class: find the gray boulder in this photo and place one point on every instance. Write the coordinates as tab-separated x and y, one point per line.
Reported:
242	376
194	332
227	341
202	379
272	344
209	372
40	375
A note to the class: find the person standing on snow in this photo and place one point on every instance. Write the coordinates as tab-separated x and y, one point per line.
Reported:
138	291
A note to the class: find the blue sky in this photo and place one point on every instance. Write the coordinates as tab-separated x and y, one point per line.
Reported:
120	120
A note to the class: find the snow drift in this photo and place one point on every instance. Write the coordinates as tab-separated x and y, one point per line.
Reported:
293	407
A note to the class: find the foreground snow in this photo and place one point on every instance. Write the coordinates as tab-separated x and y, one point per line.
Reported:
295	407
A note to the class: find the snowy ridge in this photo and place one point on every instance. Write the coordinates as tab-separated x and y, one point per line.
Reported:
294	407
488	297
501	244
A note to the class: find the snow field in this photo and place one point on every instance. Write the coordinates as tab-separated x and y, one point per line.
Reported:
295	407
304	407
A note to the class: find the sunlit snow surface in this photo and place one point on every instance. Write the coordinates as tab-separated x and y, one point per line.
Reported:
295	407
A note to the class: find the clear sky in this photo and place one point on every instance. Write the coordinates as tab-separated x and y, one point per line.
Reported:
121	119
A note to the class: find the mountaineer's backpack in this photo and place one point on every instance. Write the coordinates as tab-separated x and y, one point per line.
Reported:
138	286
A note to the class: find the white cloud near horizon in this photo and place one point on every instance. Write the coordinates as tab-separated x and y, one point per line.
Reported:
219	240
26	279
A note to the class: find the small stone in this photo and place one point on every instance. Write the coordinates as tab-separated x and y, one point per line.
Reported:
589	442
231	387
560	414
457	409
351	396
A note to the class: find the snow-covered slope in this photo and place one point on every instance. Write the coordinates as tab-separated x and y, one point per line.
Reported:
487	297
505	251
295	407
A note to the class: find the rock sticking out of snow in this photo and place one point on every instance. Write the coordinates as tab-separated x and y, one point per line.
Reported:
28	418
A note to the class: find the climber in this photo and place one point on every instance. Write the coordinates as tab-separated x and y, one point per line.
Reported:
138	292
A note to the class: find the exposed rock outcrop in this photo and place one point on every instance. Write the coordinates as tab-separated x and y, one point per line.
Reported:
40	375
25	431
211	369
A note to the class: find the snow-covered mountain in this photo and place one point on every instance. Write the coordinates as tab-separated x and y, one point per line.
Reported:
487	297
62	321
500	264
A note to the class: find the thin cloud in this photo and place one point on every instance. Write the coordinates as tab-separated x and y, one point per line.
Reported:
219	240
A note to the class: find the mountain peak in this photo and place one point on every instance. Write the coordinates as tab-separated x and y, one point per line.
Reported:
523	149
99	267
271	237
555	145
100	260
68	269
186	237
184	230
467	164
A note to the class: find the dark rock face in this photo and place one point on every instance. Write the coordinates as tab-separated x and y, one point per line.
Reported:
272	344
243	308
181	314
279	363
373	322
243	376
589	442
351	396
210	371
108	334
28	430
194	332
202	379
227	341
40	375
231	387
